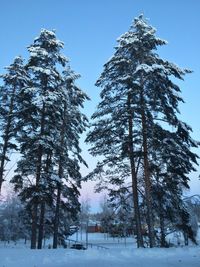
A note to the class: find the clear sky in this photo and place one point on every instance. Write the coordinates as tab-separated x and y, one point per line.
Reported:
89	29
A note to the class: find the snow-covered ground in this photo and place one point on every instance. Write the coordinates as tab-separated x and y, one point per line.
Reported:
172	257
118	254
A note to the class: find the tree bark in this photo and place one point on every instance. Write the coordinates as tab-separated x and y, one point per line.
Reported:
163	242
34	227
60	174
57	218
162	230
42	206
41	225
147	179
38	175
134	179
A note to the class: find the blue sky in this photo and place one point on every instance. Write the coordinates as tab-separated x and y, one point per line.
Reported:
89	29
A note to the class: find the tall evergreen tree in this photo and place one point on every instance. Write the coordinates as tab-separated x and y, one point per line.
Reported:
138	96
170	165
15	79
50	123
74	123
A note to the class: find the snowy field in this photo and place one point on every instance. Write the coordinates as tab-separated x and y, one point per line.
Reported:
172	257
118	254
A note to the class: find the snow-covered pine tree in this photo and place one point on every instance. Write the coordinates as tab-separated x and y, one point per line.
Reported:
37	116
15	79
50	123
73	123
171	162
137	96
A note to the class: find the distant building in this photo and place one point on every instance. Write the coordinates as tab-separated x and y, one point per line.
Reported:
94	228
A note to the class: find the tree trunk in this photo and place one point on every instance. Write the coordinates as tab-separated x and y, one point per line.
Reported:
186	239
60	174
163	242
34	227
38	175
57	218
35	208
134	180
41	225
42	206
162	231
147	181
